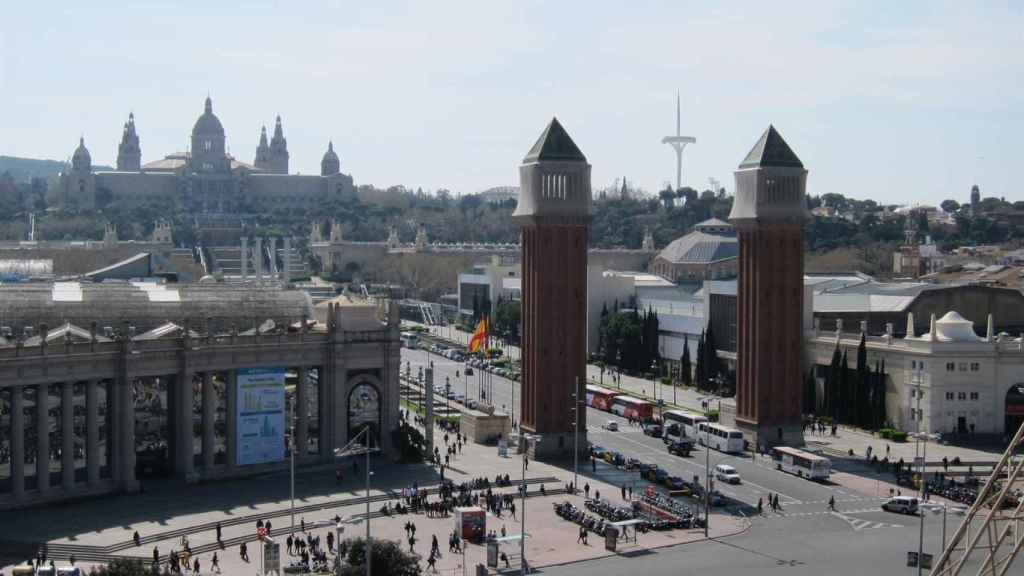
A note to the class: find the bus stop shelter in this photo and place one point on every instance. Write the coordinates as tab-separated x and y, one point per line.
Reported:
507	544
616	532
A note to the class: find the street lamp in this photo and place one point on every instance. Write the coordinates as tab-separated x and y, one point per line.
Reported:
292	449
921	446
447	393
351	449
522	517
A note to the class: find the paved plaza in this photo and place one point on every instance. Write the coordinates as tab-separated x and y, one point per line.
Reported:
99	529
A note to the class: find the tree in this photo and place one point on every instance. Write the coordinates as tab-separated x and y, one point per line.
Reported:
126	567
387	557
950	206
685	369
701	375
862	392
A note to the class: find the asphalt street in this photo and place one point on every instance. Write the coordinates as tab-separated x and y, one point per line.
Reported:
803	538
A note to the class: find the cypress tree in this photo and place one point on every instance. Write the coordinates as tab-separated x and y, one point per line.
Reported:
844	390
684	363
700	375
832	383
861	391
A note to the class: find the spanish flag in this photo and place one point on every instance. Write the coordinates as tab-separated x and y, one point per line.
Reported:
479	336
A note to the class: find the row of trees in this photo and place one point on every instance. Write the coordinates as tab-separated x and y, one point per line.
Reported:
855	397
628	339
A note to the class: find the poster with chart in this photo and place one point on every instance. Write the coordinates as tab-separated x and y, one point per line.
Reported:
260	415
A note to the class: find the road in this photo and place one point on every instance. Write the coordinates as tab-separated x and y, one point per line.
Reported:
804	538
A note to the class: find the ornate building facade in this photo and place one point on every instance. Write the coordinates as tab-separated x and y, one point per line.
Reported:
206	178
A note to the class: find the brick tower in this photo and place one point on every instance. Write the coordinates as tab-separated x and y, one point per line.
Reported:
769	213
554	214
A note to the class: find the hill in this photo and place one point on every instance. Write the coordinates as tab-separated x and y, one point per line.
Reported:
25	169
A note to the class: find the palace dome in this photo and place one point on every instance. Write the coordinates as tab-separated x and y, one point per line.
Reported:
208	123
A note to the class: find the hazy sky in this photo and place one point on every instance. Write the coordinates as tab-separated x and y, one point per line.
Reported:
900	102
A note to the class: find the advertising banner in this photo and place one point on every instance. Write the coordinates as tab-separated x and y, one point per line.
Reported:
260	415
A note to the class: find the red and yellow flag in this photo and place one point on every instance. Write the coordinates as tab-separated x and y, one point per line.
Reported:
479	336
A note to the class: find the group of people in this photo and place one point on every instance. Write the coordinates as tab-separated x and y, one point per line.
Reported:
773	503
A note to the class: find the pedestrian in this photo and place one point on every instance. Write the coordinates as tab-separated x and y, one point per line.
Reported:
512	508
412	540
302	523
760	505
195	567
431	562
630	492
586	490
243	553
71	559
887	450
216	563
579	537
434	549
526	463
218	531
832	503
290	541
778	506
156	555
259	523
504	558
623	488
268	527
136	538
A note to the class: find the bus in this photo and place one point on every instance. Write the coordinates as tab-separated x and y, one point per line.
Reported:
803	464
600	398
721	438
687	422
629	407
409	339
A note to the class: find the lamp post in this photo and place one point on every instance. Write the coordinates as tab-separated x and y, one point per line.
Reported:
707	479
576	433
447	393
354	448
522	517
291	443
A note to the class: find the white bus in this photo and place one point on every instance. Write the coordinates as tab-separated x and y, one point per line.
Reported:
721	438
409	339
803	464
687	421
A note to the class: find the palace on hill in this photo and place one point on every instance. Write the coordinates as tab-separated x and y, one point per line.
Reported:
206	178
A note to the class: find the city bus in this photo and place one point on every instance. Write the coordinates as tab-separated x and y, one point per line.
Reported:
721	438
629	407
803	464
687	422
600	398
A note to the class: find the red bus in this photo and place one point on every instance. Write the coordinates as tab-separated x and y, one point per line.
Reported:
600	398
629	407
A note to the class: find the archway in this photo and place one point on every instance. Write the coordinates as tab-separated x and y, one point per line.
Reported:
1014	414
364	410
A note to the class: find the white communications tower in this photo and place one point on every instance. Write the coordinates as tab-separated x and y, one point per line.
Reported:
678	142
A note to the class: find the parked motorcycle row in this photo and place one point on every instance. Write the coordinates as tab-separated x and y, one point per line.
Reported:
567	511
687	517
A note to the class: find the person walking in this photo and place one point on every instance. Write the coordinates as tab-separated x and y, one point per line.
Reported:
832	503
195	567
243	552
760	506
215	564
579	537
289	542
218	531
586	490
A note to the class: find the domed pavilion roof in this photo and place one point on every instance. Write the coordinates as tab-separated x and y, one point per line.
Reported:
208	123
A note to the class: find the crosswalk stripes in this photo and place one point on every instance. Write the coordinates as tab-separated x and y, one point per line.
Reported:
859	524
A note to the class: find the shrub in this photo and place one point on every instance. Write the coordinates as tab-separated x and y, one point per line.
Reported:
899	436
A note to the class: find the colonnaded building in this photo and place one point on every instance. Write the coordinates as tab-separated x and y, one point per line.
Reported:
105	385
203	179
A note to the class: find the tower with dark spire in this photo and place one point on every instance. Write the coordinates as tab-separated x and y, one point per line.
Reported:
553	214
331	164
769	212
78	182
129	154
278	150
262	161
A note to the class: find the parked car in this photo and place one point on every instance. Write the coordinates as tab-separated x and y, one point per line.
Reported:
653	430
675	483
650	472
597	452
901	504
472	404
611	426
727	474
614	458
633	463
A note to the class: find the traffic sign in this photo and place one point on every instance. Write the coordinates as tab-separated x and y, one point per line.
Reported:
261	532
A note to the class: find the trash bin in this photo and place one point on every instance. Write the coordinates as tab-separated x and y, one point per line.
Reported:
611	538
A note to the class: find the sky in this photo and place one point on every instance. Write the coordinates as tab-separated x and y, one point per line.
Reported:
898	102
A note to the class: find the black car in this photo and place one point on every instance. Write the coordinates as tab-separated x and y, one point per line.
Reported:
652	429
681	447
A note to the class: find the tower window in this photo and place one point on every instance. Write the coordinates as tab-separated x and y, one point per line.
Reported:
207	145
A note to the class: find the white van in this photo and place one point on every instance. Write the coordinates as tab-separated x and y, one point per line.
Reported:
901	504
726	473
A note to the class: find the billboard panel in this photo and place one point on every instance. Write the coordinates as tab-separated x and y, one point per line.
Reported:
260	415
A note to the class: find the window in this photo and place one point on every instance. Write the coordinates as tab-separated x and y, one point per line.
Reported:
961	395
975	366
913	414
949	395
963	366
207	145
974	395
913	364
950	366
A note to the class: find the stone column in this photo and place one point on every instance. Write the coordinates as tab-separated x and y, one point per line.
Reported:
302	413
286	259
18	441
42	437
258	259
232	423
272	248
125	437
185	458
92	432
209	416
67	434
244	264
